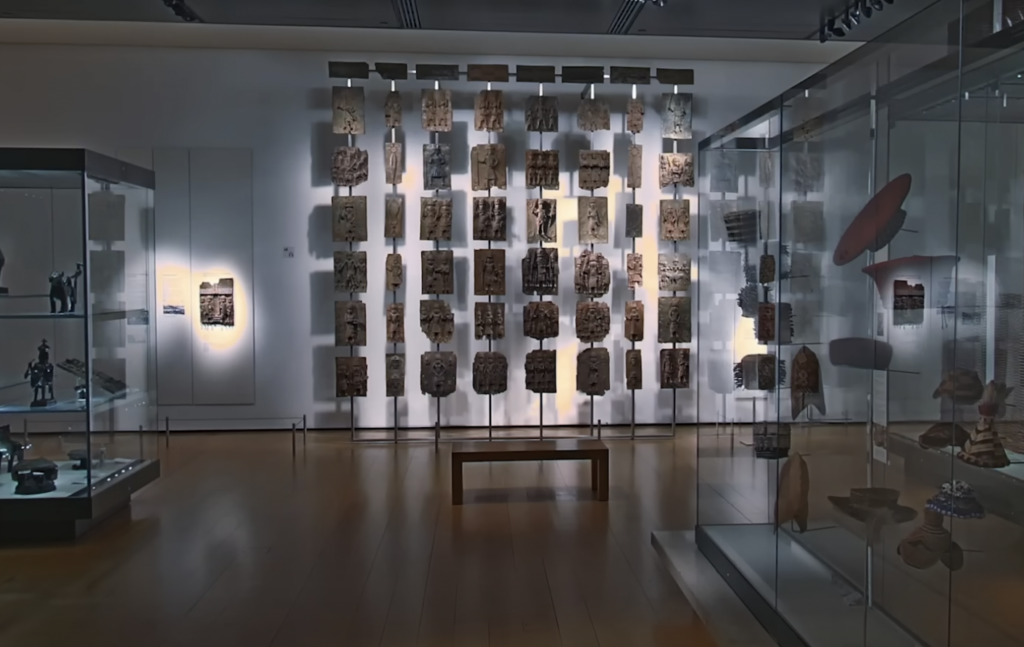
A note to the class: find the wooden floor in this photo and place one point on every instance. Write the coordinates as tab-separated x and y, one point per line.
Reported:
239	545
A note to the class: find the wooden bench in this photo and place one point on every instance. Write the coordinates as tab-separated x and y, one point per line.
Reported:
533	450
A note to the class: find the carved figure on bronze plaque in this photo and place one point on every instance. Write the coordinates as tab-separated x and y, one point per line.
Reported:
634	370
806	171
675	219
593	276
541	371
541	221
435	218
593	321
489	111
675	368
542	114
808	221
349	323
348	111
350	377
394	216
395	374
635	116
393	165
542	169
675	168
437	270
489	320
593	375
437	170
592	220
766	269
350	271
593	115
437	110
393	110
540	320
634	221
395	317
488	170
677	122
488	272
489	219
540	271
635	270
349	218
634	320
393	272
350	166
634	174
437	321
673	320
437	373
595	169
490	373
673	272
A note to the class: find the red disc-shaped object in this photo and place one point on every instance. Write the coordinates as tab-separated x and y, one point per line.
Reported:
873	228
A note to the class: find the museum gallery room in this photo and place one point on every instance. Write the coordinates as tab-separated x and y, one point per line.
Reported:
614	323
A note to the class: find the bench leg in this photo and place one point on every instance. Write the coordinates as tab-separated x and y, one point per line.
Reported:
456	481
602	482
595	468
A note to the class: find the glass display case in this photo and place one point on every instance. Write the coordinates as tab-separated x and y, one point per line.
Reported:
861	342
76	356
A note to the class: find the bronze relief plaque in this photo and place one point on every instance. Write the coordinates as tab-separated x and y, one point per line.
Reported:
634	173
673	320
542	371
490	373
435	218
437	272
488	272
540	320
634	327
437	321
592	219
394	216
437	373
634	221
766	269
489	320
393	164
393	272
593	276
349	323
350	271
541	221
349	218
675	168
808	221
595	169
393	110
675	368
634	370
437	110
350	377
593	321
488	169
437	169
348	111
490	219
635	270
350	166
489	111
677	120
395	318
542	114
673	272
540	271
593	115
395	374
542	169
634	116
593	371
675	219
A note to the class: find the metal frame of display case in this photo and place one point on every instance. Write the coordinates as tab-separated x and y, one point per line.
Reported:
35	519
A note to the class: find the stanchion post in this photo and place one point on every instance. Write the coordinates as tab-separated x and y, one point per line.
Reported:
142	445
293	440
304	430
167	432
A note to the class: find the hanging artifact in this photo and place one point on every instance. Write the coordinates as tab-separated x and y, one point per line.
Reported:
348	111
393	110
541	371
961	385
540	320
741	226
541	221
592	276
435	218
805	383
437	172
395	321
490	373
488	167
594	170
592	220
634	324
349	272
489	111
350	377
542	169
592	371
490	219
488	272
593	115
634	221
437	110
350	166
677	117
540	271
437	269
674	320
542	114
438	373
634	116
634	370
675	168
394	216
674	367
757	373
896	280
349	218
860	352
635	168
349	323
675	219
765	328
808	221
771	440
634	270
489	320
395	374
791	498
437	320
876	224
673	272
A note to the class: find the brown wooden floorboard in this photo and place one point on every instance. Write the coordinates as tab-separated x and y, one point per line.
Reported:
240	545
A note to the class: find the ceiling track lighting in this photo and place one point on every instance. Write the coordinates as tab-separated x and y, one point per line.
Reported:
843	22
182	10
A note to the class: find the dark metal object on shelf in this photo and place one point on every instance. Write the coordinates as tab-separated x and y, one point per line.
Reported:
12	449
35	476
771	440
40	376
106	382
64	290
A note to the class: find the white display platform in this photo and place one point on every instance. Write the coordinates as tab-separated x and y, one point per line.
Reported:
68	482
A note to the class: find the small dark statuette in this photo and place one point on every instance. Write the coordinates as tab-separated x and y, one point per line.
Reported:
394	216
35	476
634	221
540	271
395	374
489	320
490	373
634	370
488	170
592	219
634	174
675	219
437	172
540	320
350	378
437	272
673	320
488	272
393	272
593	321
593	276
395	317
673	272
635	116
675	368
489	111
40	376
595	169
593	115
349	323
592	371
489	219
634	321
13	450
635	270
542	169
677	121
393	110
349	272
349	218
437	373
541	371
348	111
350	166
437	110
435	218
675	168
542	114
82	456
497	73
393	166
541	221
64	290
437	321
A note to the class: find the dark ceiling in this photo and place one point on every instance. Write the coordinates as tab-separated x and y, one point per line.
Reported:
790	19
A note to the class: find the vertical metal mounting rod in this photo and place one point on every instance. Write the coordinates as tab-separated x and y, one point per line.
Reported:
142	445
303	430
167	432
293	440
